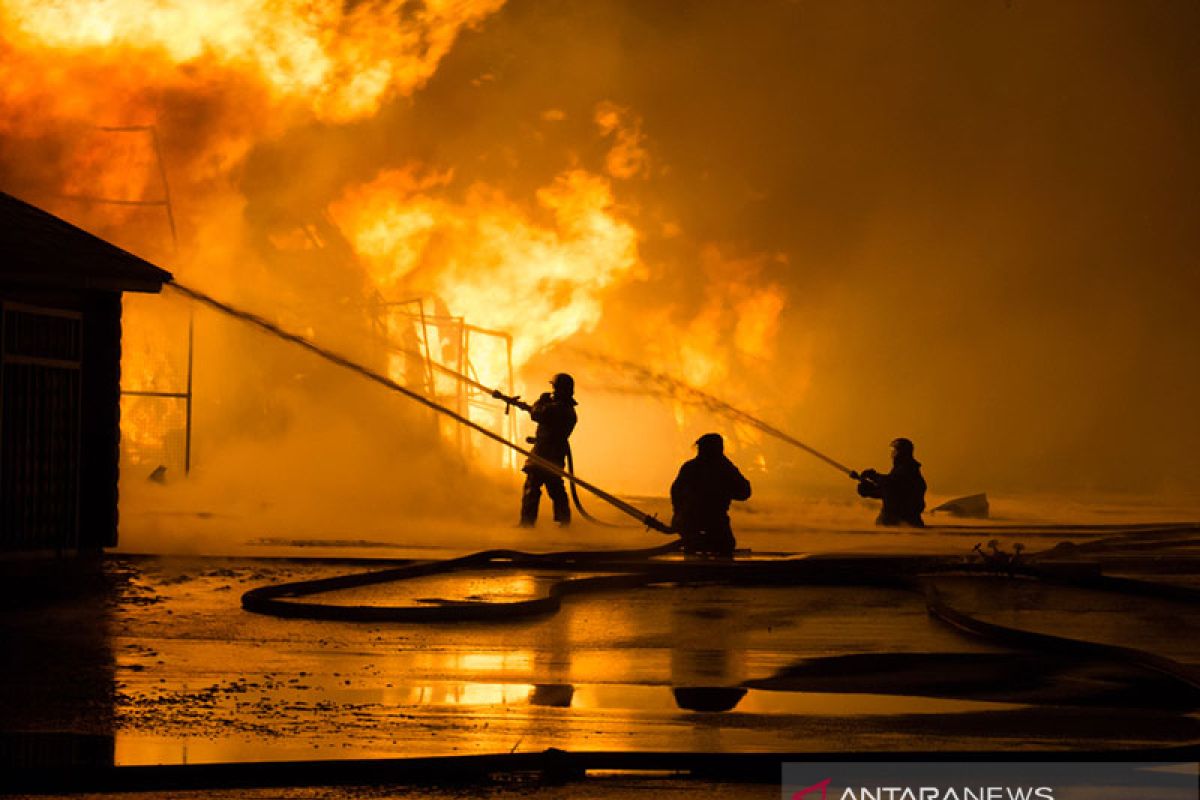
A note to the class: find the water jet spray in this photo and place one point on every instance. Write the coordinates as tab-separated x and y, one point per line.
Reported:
662	384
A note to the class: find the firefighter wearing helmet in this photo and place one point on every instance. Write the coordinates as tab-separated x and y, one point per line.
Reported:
554	413
902	490
700	499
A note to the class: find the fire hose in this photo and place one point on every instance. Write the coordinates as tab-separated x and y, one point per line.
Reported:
649	520
583	512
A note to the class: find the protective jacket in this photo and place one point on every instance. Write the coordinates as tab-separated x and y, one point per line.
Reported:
556	419
902	491
700	498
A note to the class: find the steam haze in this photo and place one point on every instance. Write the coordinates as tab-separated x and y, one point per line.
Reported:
971	224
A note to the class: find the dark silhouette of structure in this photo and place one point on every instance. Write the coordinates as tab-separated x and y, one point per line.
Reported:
902	490
60	360
700	498
555	415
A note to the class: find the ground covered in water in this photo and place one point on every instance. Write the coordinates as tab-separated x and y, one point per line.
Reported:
165	665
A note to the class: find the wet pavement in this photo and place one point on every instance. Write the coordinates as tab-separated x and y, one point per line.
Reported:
322	689
153	661
167	667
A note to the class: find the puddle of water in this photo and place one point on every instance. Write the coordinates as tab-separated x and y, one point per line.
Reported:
481	586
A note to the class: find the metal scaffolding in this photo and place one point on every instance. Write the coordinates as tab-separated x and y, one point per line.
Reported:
424	342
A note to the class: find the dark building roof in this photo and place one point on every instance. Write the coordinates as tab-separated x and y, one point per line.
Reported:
39	249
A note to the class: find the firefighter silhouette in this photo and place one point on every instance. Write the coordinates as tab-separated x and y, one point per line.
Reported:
700	498
902	490
554	413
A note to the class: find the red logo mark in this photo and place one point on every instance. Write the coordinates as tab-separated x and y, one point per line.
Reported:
823	786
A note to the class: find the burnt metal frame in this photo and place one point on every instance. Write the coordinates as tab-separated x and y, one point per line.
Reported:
165	204
465	396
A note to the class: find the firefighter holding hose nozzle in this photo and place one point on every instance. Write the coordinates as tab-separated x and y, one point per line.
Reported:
902	490
554	413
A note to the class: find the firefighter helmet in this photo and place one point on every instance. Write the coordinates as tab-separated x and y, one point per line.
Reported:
563	383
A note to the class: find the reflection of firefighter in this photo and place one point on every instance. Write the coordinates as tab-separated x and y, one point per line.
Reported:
708	654
700	497
555	415
902	490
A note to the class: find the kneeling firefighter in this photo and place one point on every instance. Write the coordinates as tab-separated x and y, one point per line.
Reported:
902	490
700	497
554	413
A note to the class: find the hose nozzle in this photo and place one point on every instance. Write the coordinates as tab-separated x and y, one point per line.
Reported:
509	402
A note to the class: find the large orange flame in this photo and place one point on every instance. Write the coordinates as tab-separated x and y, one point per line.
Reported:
340	59
488	259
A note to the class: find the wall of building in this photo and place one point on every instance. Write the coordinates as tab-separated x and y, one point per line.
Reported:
59	420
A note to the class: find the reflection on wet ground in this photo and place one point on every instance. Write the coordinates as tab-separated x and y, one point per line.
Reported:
189	677
473	585
597	675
